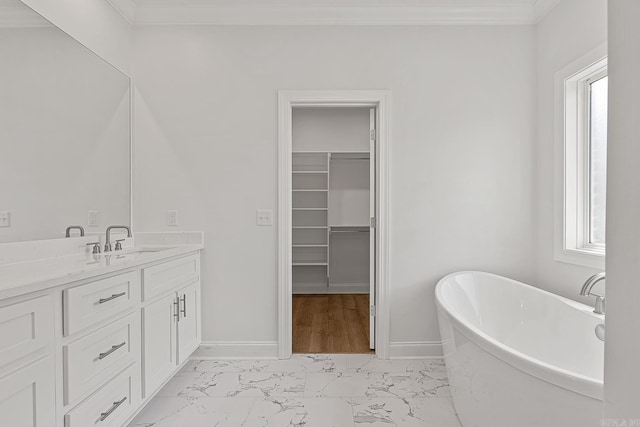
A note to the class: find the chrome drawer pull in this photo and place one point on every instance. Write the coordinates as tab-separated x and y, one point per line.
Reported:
114	296
176	303
105	415
184	305
113	348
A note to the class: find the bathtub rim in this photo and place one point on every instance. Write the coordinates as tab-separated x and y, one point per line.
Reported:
582	384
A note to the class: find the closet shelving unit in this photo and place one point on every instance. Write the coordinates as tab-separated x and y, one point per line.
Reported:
310	209
315	223
349	218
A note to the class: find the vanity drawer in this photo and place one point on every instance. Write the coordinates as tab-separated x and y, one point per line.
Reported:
25	328
109	406
91	360
89	304
175	274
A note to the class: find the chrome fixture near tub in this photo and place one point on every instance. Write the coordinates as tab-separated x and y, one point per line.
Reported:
586	291
74	227
107	245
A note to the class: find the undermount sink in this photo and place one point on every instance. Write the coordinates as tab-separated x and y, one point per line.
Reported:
145	249
149	249
126	254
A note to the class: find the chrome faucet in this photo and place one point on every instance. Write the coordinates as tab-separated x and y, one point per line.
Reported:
74	227
107	245
586	291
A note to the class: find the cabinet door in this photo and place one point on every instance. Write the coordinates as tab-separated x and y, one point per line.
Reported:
27	396
188	324
25	328
159	337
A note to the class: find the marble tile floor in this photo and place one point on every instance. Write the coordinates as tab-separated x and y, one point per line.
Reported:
323	390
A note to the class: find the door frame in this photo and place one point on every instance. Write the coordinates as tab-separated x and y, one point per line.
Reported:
287	100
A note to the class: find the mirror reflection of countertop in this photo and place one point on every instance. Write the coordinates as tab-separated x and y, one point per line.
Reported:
35	275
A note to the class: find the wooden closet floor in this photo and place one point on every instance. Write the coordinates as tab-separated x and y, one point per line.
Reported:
331	323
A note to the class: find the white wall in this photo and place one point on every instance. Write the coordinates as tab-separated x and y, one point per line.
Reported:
94	23
330	129
622	351
572	29
461	148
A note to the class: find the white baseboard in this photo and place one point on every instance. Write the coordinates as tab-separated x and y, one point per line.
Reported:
236	350
415	350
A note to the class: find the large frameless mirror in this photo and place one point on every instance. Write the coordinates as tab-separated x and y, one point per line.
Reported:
64	132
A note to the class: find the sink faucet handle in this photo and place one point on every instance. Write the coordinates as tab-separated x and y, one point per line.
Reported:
119	245
96	247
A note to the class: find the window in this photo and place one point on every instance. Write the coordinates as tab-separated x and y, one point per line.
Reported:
598	90
583	137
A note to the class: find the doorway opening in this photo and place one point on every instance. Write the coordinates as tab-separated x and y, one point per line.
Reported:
331	280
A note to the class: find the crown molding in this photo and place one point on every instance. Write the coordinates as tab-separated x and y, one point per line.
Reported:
21	17
541	8
203	14
126	9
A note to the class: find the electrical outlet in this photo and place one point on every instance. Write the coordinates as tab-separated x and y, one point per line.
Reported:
172	218
264	217
5	219
93	218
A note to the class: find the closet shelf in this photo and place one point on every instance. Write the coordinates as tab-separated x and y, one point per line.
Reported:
313	190
309	264
309	226
310	209
311	172
311	246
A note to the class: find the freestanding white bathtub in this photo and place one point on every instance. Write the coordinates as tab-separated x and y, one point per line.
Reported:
518	356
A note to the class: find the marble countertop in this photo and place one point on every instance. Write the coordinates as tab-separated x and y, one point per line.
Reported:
35	275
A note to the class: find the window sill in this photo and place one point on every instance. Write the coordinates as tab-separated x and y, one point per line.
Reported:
582	257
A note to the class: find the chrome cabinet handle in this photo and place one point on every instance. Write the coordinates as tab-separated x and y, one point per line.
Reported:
114	296
113	348
184	305
176	303
105	415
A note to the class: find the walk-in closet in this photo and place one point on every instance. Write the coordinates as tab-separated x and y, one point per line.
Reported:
333	246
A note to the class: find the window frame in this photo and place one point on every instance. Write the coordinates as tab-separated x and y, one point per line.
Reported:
573	161
600	73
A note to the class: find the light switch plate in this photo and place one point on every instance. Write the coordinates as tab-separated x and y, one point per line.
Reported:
5	219
93	218
172	218
264	217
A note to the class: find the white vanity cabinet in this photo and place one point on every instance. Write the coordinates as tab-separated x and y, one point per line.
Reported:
27	396
27	375
93	351
171	319
159	348
188	321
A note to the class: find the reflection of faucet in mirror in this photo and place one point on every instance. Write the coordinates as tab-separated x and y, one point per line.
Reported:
107	245
586	291
74	227
96	259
